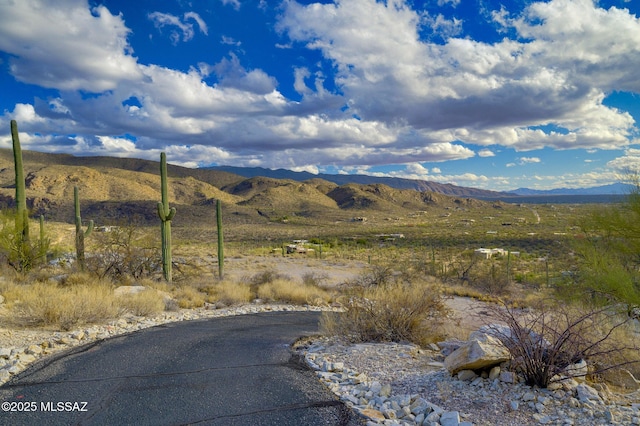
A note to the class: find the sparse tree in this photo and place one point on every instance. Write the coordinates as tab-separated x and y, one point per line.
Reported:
609	252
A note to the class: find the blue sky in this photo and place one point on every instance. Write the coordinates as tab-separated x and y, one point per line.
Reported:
482	93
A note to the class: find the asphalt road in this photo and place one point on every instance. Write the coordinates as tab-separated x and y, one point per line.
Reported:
224	371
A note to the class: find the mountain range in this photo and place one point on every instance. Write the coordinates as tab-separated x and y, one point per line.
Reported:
422	185
121	189
612	189
113	190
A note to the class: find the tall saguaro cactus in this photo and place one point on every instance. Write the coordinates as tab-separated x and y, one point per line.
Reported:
22	219
166	214
22	249
220	239
80	233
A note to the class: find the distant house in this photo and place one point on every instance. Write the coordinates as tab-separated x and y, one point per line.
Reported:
486	253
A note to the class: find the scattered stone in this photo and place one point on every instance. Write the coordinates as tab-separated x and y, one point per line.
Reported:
466	375
34	350
586	393
494	373
450	418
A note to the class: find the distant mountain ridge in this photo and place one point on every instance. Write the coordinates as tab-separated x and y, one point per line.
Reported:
397	183
420	185
612	189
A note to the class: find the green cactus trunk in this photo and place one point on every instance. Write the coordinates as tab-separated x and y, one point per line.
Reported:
166	214
80	233
220	239
43	243
22	219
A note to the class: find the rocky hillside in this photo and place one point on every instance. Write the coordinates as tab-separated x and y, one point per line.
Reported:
115	189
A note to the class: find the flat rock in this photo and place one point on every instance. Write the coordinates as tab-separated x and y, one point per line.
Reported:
481	352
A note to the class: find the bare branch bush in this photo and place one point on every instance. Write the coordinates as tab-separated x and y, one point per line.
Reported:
547	342
123	253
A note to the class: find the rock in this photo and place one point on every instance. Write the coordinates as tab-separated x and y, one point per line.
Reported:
373	414
5	353
481	352
586	393
508	377
77	335
385	390
449	346
450	418
578	370
34	350
466	375
494	373
433	417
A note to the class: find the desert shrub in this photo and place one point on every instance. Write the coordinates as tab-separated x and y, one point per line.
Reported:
144	303
281	290
41	304
19	254
230	293
394	312
123	253
314	279
544	341
264	277
374	276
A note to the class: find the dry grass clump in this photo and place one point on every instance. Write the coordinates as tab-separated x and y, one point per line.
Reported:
230	293
46	304
395	312
282	290
189	297
144	303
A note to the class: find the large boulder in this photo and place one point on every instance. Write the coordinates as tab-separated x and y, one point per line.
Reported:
479	352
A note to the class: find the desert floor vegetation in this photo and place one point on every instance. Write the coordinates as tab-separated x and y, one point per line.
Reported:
393	312
391	272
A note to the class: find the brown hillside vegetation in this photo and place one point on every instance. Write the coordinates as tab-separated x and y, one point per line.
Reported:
116	190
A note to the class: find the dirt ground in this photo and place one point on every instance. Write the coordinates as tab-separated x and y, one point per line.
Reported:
467	314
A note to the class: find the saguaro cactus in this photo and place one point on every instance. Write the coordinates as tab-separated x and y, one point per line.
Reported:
22	219
220	239
24	256
80	233
166	214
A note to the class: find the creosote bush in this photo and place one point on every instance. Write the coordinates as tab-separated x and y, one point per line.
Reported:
393	312
544	341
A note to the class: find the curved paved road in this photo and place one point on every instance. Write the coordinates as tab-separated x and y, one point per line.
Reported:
224	371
